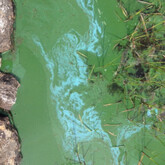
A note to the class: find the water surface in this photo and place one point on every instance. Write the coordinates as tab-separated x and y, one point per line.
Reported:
60	114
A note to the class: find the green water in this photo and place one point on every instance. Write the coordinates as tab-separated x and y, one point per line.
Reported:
60	115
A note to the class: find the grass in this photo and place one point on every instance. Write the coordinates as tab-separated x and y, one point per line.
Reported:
141	72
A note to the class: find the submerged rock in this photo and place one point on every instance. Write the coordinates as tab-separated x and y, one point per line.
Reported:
9	143
6	24
8	90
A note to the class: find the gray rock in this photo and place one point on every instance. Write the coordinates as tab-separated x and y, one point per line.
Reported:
8	90
6	24
10	153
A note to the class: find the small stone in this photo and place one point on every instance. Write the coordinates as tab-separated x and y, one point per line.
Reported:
10	152
162	116
8	90
6	24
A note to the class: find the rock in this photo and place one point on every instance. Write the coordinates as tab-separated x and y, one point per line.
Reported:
162	116
6	24
8	90
10	153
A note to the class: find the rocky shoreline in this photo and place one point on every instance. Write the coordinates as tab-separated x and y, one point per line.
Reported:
10	148
10	153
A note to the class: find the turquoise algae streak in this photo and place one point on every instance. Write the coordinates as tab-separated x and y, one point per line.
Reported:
69	72
67	98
